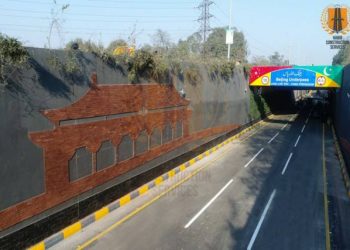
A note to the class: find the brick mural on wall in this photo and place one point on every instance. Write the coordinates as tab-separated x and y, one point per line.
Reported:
83	150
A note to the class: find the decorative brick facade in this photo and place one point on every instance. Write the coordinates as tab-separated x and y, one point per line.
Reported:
116	110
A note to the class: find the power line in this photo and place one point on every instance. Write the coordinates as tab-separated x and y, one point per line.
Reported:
108	7
75	14
104	21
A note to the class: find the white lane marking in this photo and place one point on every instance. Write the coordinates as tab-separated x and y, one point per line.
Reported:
302	131
208	204
251	160
286	165
273	138
285	125
252	240
307	120
291	118
296	143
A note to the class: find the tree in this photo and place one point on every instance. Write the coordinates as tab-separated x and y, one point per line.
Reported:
161	40
342	57
260	60
216	46
12	56
277	59
239	48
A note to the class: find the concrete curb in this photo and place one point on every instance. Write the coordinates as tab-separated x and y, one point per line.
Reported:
343	168
78	226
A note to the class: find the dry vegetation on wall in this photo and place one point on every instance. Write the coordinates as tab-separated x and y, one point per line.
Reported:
12	57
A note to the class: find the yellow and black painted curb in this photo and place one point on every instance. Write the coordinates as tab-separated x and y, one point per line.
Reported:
343	168
78	226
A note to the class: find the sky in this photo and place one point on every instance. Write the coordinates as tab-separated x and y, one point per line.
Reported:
291	27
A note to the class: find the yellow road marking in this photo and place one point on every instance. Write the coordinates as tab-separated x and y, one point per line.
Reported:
39	246
182	167
325	195
143	189
101	213
124	200
158	181
171	173
147	204
72	229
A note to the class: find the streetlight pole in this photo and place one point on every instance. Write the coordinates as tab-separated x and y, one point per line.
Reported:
229	28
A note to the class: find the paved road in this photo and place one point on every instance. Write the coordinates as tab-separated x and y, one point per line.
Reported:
264	191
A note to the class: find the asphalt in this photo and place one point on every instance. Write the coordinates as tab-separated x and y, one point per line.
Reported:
239	200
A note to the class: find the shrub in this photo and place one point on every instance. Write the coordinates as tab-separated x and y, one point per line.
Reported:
192	75
12	54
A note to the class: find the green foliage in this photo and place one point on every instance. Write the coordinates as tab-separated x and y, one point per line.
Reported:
192	75
226	70
278	60
215	45
141	64
86	46
160	70
159	61
258	106
246	70
54	61
342	57
221	68
12	54
260	61
71	66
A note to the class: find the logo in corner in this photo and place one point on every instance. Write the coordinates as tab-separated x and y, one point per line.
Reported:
335	19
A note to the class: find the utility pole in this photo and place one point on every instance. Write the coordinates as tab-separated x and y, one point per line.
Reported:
229	28
204	19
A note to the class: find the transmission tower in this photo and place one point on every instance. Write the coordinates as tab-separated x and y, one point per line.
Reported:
204	19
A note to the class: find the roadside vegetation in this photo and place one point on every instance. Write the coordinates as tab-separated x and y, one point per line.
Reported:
12	56
163	59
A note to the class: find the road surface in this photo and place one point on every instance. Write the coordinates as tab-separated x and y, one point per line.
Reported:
262	191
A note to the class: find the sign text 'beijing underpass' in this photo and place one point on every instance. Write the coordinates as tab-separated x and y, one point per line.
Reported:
309	77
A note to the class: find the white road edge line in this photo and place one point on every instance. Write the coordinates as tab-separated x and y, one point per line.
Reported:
252	240
302	131
273	138
251	160
208	204
285	125
286	165
296	143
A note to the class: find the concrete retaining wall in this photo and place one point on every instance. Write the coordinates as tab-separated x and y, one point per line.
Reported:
342	115
44	84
